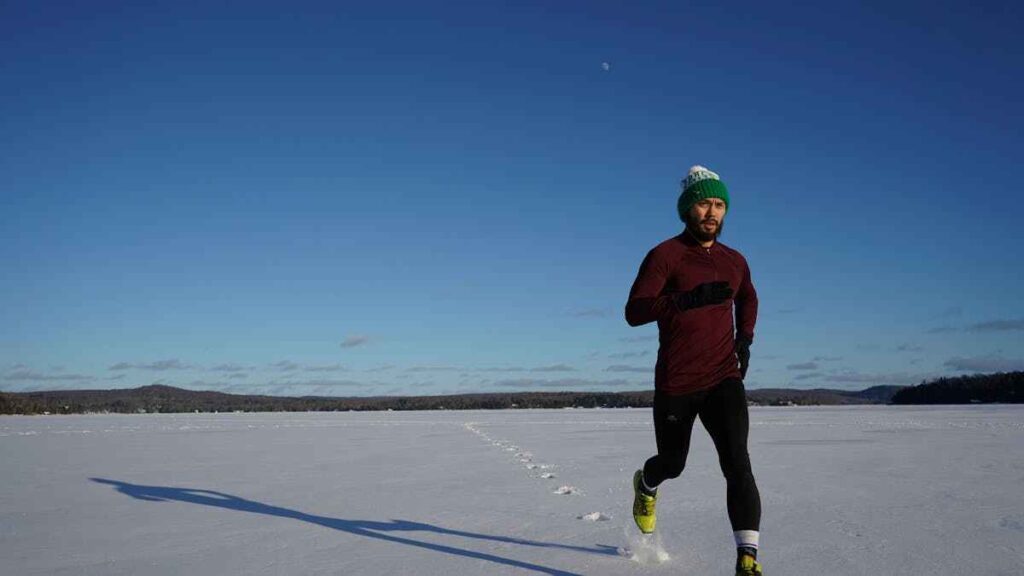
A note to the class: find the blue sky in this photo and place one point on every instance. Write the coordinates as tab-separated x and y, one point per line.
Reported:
424	199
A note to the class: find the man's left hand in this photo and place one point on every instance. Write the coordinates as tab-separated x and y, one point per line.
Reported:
743	353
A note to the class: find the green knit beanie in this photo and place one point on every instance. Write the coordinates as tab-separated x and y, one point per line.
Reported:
700	184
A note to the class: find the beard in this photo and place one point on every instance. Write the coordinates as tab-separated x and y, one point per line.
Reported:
693	224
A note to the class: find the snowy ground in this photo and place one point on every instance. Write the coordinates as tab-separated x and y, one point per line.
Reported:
861	490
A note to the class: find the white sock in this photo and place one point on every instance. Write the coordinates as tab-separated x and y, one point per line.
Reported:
747	538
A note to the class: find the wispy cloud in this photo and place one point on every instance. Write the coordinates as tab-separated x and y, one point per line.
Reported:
327	368
644	338
998	326
563	383
553	368
382	368
627	355
808	376
158	366
230	368
285	366
803	366
286	387
894	378
624	368
1006	325
503	369
317	382
909	348
289	366
989	363
23	375
859	378
433	369
827	358
354	340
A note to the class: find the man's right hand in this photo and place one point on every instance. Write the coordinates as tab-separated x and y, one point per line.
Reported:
707	294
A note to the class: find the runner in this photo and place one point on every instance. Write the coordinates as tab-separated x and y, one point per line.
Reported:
690	284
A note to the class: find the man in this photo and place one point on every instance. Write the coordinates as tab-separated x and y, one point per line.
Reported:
690	285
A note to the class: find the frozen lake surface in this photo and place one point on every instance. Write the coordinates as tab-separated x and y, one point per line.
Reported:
851	490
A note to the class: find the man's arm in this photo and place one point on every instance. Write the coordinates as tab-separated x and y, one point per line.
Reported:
646	302
746	307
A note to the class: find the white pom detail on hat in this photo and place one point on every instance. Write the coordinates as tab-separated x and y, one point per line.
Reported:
698	173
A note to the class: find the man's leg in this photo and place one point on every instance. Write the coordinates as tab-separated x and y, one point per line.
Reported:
673	423
724	415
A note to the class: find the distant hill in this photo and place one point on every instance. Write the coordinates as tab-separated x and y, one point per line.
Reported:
158	398
821	396
1005	387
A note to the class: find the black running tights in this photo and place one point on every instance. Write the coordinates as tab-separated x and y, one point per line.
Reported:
723	411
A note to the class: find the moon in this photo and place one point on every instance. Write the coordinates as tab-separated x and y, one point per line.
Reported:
606	66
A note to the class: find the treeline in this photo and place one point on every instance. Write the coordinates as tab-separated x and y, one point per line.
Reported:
1004	387
168	399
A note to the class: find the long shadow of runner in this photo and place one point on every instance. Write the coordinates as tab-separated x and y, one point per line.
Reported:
368	528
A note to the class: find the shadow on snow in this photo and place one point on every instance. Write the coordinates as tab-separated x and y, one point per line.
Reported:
371	529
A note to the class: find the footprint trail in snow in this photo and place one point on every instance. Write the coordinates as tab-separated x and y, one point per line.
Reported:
525	458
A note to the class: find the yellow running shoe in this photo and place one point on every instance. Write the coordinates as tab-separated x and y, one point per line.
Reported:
746	565
643	506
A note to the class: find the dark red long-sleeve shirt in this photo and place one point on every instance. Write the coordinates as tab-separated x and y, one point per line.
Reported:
696	348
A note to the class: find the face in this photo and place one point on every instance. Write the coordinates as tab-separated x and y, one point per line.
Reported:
705	219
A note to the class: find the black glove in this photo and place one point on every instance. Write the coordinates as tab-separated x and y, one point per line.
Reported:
743	354
707	294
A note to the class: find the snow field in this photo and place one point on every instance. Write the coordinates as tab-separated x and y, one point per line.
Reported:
878	490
